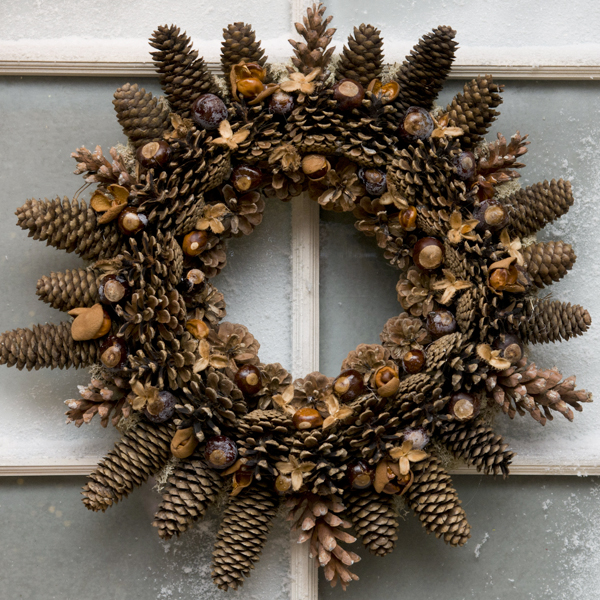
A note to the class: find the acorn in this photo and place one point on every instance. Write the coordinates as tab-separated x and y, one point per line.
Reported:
154	154
413	361
194	243
208	111
112	289
510	347
417	124
162	410
113	353
315	166
220	452
464	163
191	280
408	219
428	253
248	380
348	94
386	381
246	178
131	222
360	476
349	385
440	322
250	87
283	483
281	103
463	406
491	215
307	418
418	436
375	181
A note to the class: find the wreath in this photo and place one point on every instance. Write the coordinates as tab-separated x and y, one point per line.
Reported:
187	389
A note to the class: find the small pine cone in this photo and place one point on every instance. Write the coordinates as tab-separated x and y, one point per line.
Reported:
142	117
422	74
46	346
552	320
142	451
374	518
190	490
71	226
436	503
473	110
182	75
548	261
534	207
69	289
243	533
440	351
478	445
362	60
239	44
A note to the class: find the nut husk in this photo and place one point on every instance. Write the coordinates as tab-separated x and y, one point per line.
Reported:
184	443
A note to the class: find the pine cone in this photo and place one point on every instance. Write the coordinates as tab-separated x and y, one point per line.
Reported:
182	75
534	207
240	45
243	533
548	261
46	346
478	445
374	518
362	60
69	289
142	451
552	320
436	503
71	226
404	333
190	490
473	110
423	73
142	117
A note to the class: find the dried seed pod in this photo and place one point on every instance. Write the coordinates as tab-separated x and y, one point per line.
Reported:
464	406
198	328
440	322
465	164
113	353
250	87
154	154
386	381
501	278
413	361
349	385
112	289
491	215
194	243
131	222
307	418
360	475
348	94
220	452
375	181
510	346
161	410
246	178
248	380
417	124
90	323
428	253
315	166
408	219
208	111
281	103
184	443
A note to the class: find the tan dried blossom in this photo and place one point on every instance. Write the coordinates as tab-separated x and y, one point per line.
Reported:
287	157
296	470
145	396
395	198
512	247
111	207
460	229
298	82
405	455
442	130
230	139
212	218
414	292
336	412
181	127
275	380
492	357
284	400
450	285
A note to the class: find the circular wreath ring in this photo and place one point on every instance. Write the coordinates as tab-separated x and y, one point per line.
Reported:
189	391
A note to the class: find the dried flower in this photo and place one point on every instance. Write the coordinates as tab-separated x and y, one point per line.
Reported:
284	400
492	357
406	455
287	156
298	82
181	127
513	247
296	470
450	285
442	130
143	396
211	218
228	138
460	229
336	413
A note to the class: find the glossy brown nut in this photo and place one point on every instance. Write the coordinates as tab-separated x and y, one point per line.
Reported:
112	289
246	177
510	346
315	166
198	328
248	380
417	124
250	87
130	222
465	164
194	243
154	154
281	103
191	281
348	94
283	483
113	353
428	253
208	111
463	406
349	385
408	219
307	418
501	278
360	475
164	408
386	381
413	361
491	215
440	322
375	181
220	452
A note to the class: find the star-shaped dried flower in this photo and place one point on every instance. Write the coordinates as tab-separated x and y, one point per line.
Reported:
296	470
298	82
336	412
111	207
406	455
287	156
284	401
450	285
513	247
208	357
461	229
143	396
228	138
181	127
211	218
492	357
442	130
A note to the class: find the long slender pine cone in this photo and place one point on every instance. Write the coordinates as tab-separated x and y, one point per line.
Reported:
374	518
182	75
436	503
422	74
142	117
240	44
69	225
142	451
69	289
191	489
478	445
548	261
362	59
243	533
46	345
552	320
473	110
532	208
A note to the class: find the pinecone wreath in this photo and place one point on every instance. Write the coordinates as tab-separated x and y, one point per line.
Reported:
420	180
